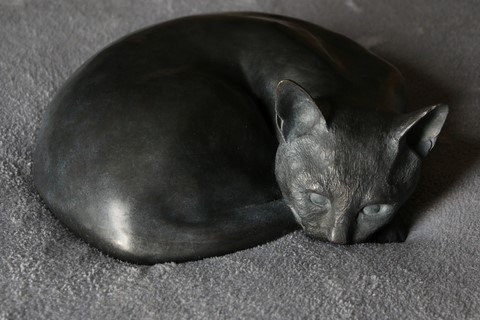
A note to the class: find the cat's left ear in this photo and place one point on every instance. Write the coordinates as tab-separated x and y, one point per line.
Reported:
296	112
420	128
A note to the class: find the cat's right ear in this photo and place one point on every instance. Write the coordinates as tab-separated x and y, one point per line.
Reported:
420	128
296	112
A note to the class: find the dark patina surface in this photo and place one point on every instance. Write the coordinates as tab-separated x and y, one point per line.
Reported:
163	146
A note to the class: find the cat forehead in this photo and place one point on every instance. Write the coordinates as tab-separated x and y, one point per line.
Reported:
368	142
340	160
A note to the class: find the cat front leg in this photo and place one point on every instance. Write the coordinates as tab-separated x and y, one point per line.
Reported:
395	231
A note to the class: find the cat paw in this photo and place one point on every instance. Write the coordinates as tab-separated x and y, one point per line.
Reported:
390	234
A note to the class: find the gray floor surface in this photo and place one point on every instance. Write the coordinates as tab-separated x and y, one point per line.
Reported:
47	273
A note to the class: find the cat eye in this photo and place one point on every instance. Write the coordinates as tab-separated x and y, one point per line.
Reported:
319	200
377	210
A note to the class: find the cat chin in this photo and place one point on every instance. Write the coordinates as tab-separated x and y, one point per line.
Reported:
321	237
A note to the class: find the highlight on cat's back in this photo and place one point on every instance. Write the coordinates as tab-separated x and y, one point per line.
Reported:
209	134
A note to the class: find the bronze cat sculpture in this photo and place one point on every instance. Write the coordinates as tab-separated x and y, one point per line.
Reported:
209	134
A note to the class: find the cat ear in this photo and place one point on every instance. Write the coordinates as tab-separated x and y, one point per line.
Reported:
421	128
296	112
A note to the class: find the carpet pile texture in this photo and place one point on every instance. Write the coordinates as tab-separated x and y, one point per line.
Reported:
48	273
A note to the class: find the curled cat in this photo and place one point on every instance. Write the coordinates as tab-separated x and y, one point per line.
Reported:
209	134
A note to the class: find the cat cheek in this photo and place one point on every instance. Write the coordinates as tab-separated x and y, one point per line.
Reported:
313	220
297	216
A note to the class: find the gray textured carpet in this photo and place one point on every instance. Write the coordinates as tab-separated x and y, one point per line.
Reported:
46	272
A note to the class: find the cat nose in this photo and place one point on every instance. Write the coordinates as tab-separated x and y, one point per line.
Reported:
339	233
338	236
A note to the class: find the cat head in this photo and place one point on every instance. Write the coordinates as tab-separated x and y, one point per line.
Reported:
344	176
